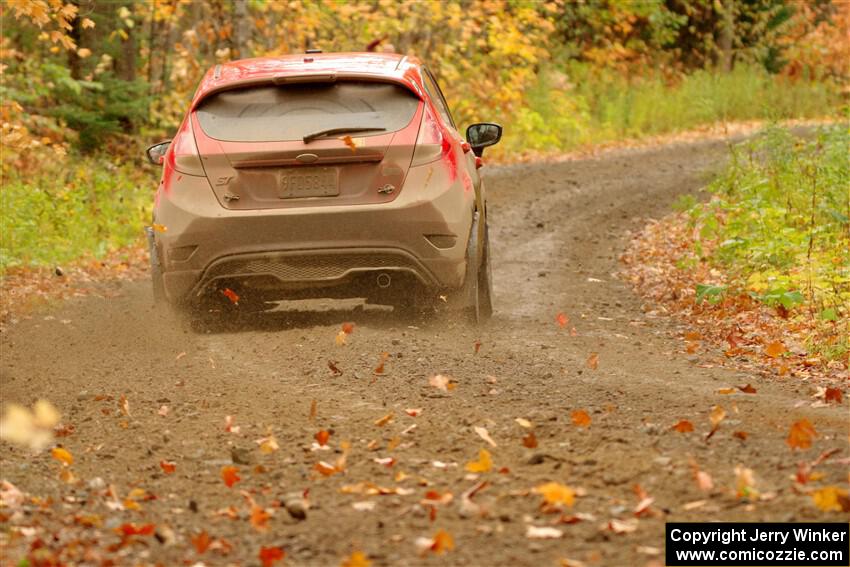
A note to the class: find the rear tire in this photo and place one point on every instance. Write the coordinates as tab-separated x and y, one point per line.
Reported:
477	285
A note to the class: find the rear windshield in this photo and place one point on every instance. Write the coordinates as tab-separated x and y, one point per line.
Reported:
290	112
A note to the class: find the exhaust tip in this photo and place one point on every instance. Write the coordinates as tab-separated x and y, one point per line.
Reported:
383	280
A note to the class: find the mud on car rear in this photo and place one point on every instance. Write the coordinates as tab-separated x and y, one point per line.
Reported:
321	175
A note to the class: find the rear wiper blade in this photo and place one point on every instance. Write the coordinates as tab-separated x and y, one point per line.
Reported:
322	133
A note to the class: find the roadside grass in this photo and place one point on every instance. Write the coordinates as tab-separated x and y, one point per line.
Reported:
762	267
585	106
73	207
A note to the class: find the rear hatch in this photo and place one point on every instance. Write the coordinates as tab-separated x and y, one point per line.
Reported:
307	143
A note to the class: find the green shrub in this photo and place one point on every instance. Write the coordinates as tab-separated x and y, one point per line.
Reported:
779	221
87	205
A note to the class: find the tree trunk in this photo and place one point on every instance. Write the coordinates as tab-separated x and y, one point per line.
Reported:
727	35
75	62
241	29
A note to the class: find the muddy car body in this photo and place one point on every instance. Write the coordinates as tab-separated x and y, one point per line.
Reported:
333	175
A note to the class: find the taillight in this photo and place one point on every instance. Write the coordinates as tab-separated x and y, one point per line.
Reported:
183	153
431	142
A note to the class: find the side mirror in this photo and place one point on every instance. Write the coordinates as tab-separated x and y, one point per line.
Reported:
156	153
483	134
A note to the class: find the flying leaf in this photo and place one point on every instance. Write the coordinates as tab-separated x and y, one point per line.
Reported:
230	475
356	559
703	480
160	227
684	426
131	529
259	517
379	370
124	405
270	555
832	499
349	141
801	434
322	437
621	526
534	532
482	432
717	415
201	542
580	418
325	469
228	424
482	465
774	349
832	395
556	494
593	360
384	420
745	483
268	444
439	544
440	382
63	455
231	295
168	467
530	440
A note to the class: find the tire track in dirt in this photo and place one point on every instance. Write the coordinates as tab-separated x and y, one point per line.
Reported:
557	231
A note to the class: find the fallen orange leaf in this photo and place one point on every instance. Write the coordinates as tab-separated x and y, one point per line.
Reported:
356	559
593	360
348	328
130	529
482	465
562	320
832	499
167	467
801	434
556	494
271	555
580	418
774	349
230	475
63	455
684	426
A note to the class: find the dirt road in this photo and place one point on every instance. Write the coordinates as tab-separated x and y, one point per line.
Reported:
557	231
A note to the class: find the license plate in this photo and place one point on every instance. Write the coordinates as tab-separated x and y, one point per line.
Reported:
313	182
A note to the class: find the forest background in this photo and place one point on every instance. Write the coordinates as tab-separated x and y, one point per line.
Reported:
87	84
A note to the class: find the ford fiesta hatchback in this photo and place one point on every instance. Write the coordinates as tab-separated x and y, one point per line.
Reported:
321	175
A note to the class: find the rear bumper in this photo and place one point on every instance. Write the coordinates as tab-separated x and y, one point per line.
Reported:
323	245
